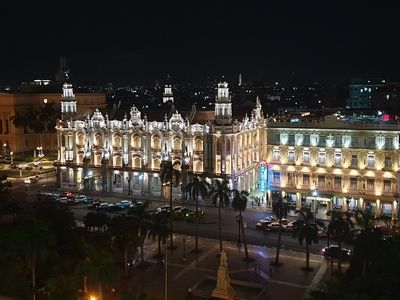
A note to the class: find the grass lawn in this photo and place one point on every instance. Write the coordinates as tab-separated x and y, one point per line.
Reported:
15	173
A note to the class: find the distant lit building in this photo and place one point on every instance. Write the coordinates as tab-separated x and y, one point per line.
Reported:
362	93
32	96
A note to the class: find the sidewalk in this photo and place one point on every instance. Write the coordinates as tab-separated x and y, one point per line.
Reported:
287	282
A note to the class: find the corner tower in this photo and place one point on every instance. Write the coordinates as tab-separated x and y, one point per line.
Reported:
68	101
223	105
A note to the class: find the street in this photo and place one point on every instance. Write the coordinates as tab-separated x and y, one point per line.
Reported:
208	226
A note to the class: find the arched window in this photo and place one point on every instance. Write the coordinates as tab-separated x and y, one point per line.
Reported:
156	164
136	162
80	139
97	161
117	161
198	144
79	158
136	141
218	146
117	141
177	144
98	139
156	142
198	166
228	146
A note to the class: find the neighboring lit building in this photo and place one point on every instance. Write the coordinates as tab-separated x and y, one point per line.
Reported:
124	156
334	163
33	96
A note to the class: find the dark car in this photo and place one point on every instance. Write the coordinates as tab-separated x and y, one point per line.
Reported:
94	204
333	252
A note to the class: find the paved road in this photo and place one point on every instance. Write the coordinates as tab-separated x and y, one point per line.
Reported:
208	227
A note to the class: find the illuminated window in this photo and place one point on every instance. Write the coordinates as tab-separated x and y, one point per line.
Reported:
354	160
276	154
388	162
291	156
370	184
306	157
338	159
371	160
337	182
321	180
276	177
306	179
290	178
353	183
387	186
321	158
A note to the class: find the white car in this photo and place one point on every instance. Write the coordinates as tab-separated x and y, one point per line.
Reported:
81	198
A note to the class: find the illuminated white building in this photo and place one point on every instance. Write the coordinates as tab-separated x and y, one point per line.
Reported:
124	156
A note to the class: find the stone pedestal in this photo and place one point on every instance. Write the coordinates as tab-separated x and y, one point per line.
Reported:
223	290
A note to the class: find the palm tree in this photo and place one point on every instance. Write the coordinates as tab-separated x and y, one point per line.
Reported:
280	209
142	219
239	203
366	241
220	196
49	115
306	229
124	232
169	175
158	229
34	243
339	230
198	187
98	267
35	123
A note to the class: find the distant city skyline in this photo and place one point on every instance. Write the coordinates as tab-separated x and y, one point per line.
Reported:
141	43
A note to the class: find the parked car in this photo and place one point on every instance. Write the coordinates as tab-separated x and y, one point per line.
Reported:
181	213
103	206
124	204
94	204
332	251
83	199
322	233
164	208
263	224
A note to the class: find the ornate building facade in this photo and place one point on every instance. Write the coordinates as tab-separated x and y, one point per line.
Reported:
124	156
329	163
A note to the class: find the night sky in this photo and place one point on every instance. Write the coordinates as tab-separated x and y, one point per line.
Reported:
127	42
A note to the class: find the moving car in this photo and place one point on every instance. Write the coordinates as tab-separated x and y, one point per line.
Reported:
332	251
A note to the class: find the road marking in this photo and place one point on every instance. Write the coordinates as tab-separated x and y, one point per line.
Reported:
317	278
193	264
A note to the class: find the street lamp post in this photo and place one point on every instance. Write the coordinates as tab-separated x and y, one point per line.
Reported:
184	250
239	243
36	163
5	149
128	178
11	157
